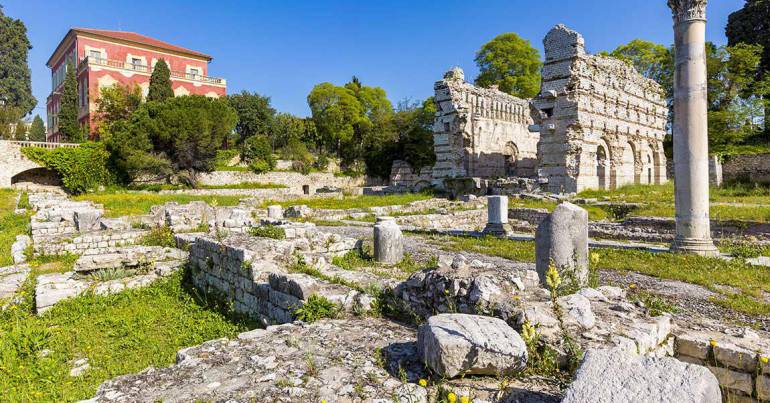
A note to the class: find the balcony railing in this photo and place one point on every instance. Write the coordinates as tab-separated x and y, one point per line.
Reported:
143	68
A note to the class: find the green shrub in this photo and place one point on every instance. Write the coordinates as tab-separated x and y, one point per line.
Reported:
23	201
258	148
81	168
316	307
224	157
296	151
321	163
259	166
268	231
159	236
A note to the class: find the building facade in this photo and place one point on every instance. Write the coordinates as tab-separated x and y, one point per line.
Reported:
481	132
601	123
104	58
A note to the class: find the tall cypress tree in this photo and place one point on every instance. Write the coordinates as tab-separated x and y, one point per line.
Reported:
160	83
15	76
37	129
69	127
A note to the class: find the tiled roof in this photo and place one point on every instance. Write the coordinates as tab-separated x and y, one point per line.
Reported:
140	39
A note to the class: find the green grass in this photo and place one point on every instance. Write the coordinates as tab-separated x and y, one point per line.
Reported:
123	203
354	202
120	334
10	225
659	200
750	281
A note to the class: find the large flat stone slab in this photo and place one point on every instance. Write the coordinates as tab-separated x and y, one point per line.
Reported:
460	344
611	376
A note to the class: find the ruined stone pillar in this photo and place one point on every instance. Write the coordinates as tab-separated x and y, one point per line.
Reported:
691	173
497	216
388	241
561	240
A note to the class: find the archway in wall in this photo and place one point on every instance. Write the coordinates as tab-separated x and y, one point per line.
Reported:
627	168
647	176
38	176
511	155
603	167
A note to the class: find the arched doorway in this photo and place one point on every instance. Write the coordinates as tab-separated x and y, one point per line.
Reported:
627	166
37	176
602	168
511	155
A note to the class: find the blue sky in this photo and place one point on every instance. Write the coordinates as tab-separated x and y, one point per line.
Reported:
283	48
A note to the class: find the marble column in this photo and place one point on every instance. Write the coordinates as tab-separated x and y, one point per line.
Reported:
497	216
691	173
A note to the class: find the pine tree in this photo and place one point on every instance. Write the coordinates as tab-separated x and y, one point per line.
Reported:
15	76
160	83
69	127
37	129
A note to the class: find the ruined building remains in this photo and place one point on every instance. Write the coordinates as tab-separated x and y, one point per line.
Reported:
601	122
596	124
481	132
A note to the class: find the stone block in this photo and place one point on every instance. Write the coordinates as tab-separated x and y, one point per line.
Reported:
87	219
763	387
562	240
275	212
459	344
733	356
733	380
609	376
693	345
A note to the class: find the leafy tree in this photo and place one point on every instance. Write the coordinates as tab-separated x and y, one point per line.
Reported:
37	129
21	131
511	63
749	25
180	135
336	112
15	76
297	152
160	83
69	125
8	116
255	115
115	104
287	127
258	153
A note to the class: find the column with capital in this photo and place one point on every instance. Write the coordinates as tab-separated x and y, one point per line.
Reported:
691	174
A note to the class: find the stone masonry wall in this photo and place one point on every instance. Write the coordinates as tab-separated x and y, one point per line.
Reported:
293	180
601	122
480	132
753	168
402	175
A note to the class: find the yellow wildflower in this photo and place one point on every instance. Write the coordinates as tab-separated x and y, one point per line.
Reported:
552	278
451	397
464	399
423	383
594	258
763	360
713	343
632	286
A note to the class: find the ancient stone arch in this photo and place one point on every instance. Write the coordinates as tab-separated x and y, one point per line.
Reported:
511	154
604	166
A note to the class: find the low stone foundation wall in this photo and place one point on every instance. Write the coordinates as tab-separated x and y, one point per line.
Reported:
251	273
293	180
739	363
93	243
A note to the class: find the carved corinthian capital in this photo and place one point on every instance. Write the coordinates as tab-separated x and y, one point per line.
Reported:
687	10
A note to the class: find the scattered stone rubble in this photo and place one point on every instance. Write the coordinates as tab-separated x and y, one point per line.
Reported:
11	278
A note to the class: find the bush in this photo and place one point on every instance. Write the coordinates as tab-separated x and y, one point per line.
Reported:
315	308
81	168
321	163
258	154
259	166
296	151
268	231
159	236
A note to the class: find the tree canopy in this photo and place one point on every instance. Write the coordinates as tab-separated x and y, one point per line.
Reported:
255	115
37	129
15	76
511	63
160	83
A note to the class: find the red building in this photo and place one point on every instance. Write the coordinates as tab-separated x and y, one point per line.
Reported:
104	58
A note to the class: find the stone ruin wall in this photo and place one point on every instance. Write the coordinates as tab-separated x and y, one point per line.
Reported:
602	123
480	132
